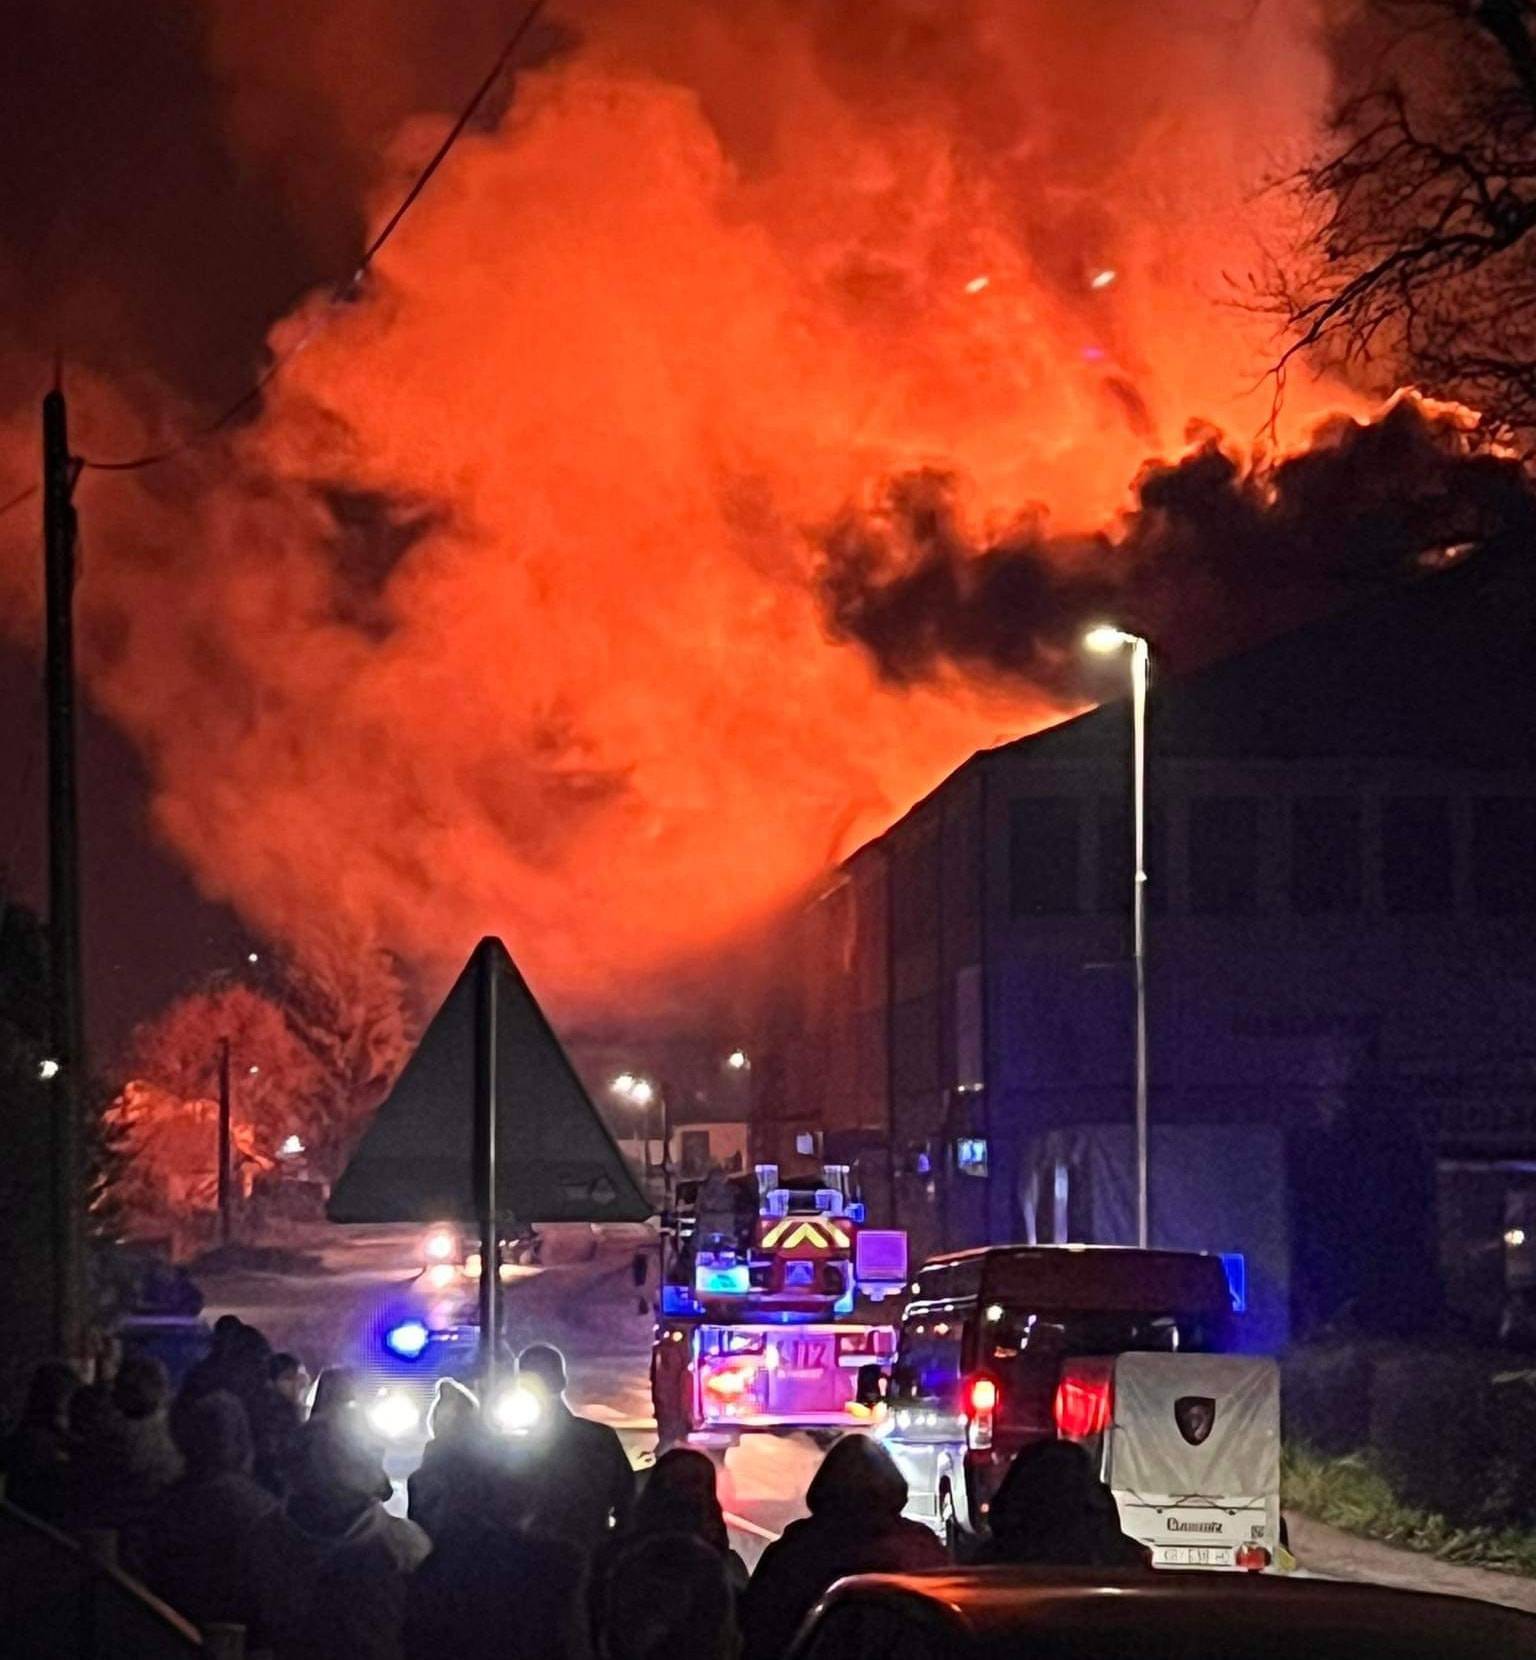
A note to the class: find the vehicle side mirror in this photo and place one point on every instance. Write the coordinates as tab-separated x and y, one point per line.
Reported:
640	1269
871	1384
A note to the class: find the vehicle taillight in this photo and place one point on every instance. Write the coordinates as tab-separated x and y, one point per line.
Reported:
1082	1403
1254	1558
980	1413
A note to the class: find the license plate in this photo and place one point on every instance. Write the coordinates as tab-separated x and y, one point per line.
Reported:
1192	1556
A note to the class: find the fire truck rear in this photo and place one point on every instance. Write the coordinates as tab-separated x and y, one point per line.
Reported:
771	1322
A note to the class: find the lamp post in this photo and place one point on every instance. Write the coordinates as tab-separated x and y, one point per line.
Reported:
1106	639
642	1093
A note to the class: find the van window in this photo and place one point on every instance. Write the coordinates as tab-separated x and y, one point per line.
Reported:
1060	1277
930	1358
1022	1334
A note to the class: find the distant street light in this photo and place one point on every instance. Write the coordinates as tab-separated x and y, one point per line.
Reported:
641	1092
48	1069
291	1148
1106	639
738	1061
253	957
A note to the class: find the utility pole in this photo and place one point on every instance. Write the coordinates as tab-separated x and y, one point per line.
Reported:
66	1017
224	1148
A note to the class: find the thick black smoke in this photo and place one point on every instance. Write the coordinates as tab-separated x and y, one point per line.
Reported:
1216	553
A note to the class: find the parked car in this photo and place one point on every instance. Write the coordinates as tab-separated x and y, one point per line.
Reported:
986	1358
1022	1614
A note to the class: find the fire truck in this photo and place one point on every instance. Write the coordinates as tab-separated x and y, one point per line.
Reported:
769	1312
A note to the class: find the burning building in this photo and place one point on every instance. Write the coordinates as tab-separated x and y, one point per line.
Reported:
1342	883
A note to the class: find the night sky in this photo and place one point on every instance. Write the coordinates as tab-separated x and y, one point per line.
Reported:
740	432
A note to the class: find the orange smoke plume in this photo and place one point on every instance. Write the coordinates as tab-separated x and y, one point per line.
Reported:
506	614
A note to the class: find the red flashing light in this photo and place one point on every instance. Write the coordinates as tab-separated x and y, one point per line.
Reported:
730	1382
1251	1557
1082	1404
983	1396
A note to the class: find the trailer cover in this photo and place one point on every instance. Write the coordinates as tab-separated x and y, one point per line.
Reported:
1185	1424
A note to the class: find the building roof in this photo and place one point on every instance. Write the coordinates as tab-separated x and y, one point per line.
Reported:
1442	669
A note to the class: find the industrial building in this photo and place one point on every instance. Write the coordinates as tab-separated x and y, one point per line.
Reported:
1342	975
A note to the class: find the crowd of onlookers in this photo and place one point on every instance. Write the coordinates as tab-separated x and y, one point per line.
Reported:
234	1504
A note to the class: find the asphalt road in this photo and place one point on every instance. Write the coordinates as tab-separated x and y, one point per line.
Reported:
354	1282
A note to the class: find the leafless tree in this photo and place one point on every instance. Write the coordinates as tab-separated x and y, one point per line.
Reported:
1418	259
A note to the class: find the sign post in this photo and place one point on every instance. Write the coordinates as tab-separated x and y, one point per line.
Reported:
488	1122
487	1192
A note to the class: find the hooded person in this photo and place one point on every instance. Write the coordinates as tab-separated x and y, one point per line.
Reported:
199	1533
217	1368
1052	1510
855	1526
326	1574
339	1400
493	1589
126	1458
454	1462
679	1496
668	1596
36	1454
141	1392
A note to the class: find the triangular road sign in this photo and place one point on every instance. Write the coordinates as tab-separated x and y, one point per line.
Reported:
555	1159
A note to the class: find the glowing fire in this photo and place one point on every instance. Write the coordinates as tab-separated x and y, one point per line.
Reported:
504	617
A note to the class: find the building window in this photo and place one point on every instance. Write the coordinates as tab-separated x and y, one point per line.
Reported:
1043	875
693	1152
1504	855
1417	855
1327	872
1223	856
1116	851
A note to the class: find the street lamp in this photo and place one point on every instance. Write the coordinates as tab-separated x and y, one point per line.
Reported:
1105	640
641	1092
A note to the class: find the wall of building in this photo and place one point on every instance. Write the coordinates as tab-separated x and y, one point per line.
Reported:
1342	853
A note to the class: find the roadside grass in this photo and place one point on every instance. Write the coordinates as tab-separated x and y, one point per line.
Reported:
1351	1493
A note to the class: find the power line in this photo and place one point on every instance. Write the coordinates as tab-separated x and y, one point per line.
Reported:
341	293
16	500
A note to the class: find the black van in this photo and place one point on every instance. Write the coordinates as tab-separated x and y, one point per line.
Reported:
1010	1344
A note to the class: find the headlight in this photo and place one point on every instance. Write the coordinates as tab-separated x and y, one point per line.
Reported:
440	1245
394	1416
517	1410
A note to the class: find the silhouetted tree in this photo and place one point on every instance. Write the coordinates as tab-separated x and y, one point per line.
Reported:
1417	261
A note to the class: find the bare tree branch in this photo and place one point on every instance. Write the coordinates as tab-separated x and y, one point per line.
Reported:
1419	262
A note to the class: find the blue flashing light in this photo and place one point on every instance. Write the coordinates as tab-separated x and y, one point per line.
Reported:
855	1211
407	1340
844	1304
1237	1279
734	1281
678	1302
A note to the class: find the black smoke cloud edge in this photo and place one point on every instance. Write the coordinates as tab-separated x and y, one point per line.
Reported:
1215	552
